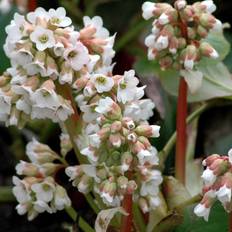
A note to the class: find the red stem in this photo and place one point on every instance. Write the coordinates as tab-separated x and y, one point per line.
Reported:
127	220
181	131
181	126
32	4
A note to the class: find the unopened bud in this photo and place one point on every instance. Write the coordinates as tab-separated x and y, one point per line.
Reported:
26	169
148	131
207	50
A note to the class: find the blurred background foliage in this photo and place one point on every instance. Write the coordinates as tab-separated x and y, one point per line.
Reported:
212	133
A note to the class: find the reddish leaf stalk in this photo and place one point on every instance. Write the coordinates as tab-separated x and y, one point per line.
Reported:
181	131
127	220
181	125
32	4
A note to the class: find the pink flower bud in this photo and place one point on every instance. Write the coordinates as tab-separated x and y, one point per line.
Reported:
80	83
131	186
115	140
26	169
207	50
202	32
128	123
165	62
210	159
148	131
116	126
126	160
180	4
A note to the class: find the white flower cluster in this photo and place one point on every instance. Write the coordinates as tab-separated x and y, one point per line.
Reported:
217	179
21	100
38	191
47	54
46	51
176	40
116	130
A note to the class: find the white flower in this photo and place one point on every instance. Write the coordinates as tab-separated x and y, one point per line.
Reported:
90	154
102	83
209	5
161	43
155	131
148	9
22	56
76	56
5	103
20	190
45	97
64	110
89	113
94	140
152	159
139	110
16	30
58	17
201	211
104	105
45	190
38	13
39	112
41	207
43	38
59	49
188	64
61	199
22	208
193	79
208	176
163	19
149	188
97	23
127	87
150	41
143	153
39	153
224	194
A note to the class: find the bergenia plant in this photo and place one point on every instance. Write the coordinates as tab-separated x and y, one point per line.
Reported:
66	75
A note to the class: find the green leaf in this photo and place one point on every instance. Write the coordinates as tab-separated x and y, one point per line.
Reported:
218	221
4	21
217	82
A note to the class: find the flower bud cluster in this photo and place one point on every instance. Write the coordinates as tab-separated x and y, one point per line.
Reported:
37	191
46	51
116	142
217	179
177	37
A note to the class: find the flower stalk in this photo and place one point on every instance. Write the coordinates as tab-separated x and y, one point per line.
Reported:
181	128
32	4
181	125
127	220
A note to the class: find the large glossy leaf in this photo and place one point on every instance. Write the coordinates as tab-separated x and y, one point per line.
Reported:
218	221
217	82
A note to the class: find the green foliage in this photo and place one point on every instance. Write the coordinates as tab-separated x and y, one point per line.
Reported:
4	21
218	221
